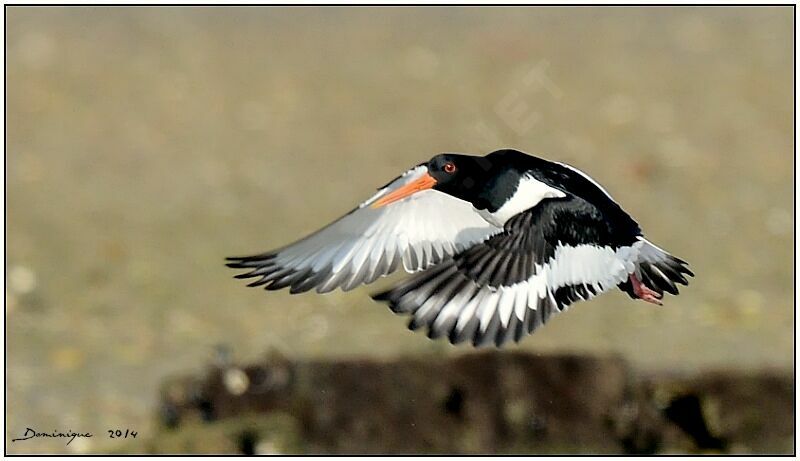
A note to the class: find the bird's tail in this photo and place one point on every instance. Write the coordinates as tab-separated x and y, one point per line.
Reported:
658	270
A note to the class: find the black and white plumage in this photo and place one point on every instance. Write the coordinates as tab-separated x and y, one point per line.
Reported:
498	244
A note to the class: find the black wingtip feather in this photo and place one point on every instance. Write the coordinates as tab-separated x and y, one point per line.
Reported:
488	337
237	265
381	296
258	282
508	333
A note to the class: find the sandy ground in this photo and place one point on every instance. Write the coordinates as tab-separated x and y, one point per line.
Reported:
144	145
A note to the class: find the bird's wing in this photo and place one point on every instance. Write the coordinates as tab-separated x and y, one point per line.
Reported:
505	287
419	231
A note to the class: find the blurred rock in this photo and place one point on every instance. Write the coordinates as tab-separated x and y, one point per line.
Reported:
255	434
731	412
477	403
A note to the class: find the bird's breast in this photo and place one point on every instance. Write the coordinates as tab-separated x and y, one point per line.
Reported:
528	194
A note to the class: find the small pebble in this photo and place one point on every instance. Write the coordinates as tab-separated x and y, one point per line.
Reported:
267	447
236	381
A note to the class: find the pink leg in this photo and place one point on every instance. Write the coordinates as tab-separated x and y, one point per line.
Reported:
644	293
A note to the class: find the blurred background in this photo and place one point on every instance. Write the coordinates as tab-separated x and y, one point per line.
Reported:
144	145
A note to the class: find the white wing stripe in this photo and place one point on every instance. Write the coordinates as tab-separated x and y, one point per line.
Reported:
505	306
487	308
469	310
588	264
600	268
521	303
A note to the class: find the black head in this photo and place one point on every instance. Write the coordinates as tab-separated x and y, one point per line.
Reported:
479	180
458	173
486	182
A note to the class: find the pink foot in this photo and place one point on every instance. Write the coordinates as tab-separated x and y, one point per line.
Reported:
644	293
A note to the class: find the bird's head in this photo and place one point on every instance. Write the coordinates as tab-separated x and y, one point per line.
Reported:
463	176
459	175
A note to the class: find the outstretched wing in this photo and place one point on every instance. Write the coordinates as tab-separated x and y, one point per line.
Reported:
420	230
507	286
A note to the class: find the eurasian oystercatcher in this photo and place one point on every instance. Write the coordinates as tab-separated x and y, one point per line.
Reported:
498	244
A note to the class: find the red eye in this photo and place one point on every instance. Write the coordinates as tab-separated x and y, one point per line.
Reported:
449	168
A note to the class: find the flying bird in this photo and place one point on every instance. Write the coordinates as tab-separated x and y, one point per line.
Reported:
497	245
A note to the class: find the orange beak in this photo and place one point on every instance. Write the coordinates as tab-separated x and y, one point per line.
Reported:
426	181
